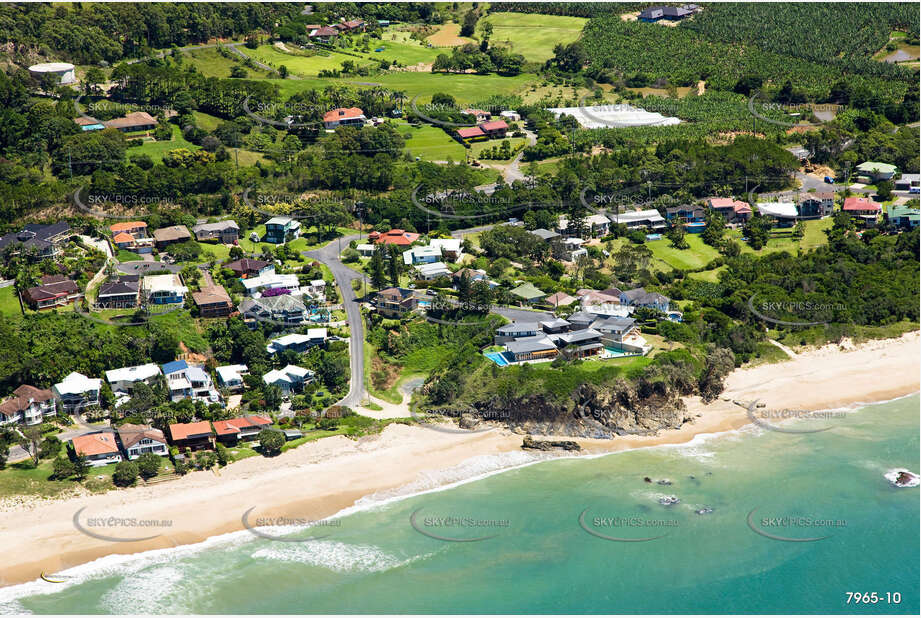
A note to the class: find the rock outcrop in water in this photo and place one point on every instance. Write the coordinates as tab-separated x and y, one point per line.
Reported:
549	445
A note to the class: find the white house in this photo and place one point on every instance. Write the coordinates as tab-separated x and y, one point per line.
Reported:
451	248
297	341
163	289
28	405
76	392
365	250
596	225
123	379
649	218
432	271
573	249
189	382
270	281
291	378
231	376
421	255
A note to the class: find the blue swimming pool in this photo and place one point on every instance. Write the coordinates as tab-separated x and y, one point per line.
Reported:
497	358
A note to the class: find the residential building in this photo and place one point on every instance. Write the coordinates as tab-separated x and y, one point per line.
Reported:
54	291
607	310
99	448
135	121
510	115
784	212
451	248
876	171
231	376
909	182
554	326
686	214
421	255
290	379
343	117
243	428
137	440
547	235
430	272
474	274
538	347
615	329
903	216
863	209
163	289
580	320
649	218
213	302
471	134
271	281
246	268
41	240
528	293
194	436
561	299
365	250
671	13
580	343
122	293
123	380
733	211
595	225
639	297
186	381
284	309
571	249
137	229
132	236
227	232
298	342
76	392
517	330
816	205
166	236
394	237
322	33
279	230
394	302
479	114
28	405
495	129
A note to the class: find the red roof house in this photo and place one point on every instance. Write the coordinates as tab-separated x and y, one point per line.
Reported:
470	133
394	237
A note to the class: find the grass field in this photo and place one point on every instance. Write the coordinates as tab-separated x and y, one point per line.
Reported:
532	35
698	256
205	121
431	143
9	303
210	63
127	256
301	65
157	150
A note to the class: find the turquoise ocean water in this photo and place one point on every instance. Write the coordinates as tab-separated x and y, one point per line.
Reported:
536	557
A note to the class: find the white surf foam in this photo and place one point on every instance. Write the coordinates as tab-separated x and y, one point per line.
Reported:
335	556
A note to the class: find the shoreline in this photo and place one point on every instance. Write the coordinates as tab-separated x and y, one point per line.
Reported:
334	475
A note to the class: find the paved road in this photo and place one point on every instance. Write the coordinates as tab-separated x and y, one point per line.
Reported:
17	453
329	255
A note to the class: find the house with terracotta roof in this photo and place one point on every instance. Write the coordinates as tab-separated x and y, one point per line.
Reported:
137	440
394	237
28	405
560	299
323	33
733	210
195	436
494	129
471	134
213	302
864	210
480	114
54	291
137	229
135	121
343	117
243	428
99	448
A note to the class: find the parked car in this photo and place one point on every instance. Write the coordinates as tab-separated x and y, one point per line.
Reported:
830	180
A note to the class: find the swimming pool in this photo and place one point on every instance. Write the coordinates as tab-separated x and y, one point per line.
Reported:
497	358
610	352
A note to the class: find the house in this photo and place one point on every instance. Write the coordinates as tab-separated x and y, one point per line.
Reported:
213	302
394	237
163	289
123	380
594	297
785	212
865	210
580	320
733	210
76	391
547	235
186	381
474	274
639	219
596	225
41	240
876	171
471	134
343	117
816	205
554	326
479	114
227	232
451	248
279	230
607	310
421	255
135	121
231	376
510	115
289	379
297	341
684	214
166	236
122	293
903	216
571	249
560	299
517	330
54	291
394	302
615	329
194	436
538	347
88	123
138	229
28	405
671	13
126	241
322	33
271	281
139	440
639	297
430	272
580	343
99	448
241	428
284	309
246	268
365	250
527	292
909	182
495	129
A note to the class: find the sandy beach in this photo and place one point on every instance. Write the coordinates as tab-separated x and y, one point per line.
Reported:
321	478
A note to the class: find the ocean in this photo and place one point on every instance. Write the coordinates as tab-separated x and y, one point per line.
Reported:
766	522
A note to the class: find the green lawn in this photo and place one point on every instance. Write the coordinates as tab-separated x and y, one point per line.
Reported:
299	64
21	479
206	122
156	150
532	35
697	256
9	302
127	256
431	143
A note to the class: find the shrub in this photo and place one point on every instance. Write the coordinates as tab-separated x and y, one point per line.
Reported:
126	473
